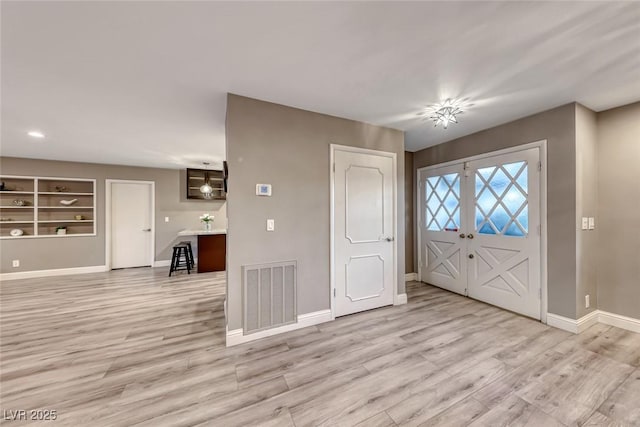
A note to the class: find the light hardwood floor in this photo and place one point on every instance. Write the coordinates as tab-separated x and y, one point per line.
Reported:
135	347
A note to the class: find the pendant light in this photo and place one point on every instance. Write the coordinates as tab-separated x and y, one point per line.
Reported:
206	189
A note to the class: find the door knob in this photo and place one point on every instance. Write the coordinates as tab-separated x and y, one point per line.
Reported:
470	236
470	256
462	236
389	239
147	229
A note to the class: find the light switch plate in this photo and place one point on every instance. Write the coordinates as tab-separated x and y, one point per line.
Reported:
592	223
166	219
585	223
271	225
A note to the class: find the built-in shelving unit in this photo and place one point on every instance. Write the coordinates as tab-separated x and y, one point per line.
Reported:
33	205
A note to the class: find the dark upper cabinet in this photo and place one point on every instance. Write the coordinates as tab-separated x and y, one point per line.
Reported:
200	181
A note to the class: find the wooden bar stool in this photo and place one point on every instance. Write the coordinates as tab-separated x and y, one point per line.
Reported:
180	251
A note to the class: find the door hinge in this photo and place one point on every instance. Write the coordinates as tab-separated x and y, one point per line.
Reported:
539	165
540	293
334	167
334	292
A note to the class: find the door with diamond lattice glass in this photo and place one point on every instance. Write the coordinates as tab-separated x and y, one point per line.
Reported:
444	254
503	248
479	229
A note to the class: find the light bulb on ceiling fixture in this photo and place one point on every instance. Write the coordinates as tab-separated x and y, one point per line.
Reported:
206	189
445	112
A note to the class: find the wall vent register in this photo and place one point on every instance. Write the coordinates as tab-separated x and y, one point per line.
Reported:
269	295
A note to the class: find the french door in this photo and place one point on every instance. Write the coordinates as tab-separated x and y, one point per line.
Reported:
480	229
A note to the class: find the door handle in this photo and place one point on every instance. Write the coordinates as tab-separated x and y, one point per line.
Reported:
146	229
470	256
470	236
389	239
462	235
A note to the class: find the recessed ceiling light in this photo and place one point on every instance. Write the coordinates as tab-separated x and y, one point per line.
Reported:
35	134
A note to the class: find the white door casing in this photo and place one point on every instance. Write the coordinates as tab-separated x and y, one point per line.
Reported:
130	223
495	253
363	204
443	251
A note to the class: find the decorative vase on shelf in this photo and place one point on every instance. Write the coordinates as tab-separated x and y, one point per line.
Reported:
207	226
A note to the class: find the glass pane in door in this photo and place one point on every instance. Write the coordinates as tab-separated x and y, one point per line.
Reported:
501	205
442	210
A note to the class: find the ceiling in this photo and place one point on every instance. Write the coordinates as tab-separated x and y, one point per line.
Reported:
144	83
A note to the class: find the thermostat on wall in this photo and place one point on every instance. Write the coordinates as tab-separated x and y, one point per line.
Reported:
263	189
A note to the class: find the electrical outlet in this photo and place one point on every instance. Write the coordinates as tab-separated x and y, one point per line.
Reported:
586	301
271	225
585	223
592	223
166	219
16	263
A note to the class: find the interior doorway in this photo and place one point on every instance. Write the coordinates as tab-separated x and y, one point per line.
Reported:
130	223
363	208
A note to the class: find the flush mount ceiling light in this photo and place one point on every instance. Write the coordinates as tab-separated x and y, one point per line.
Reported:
445	112
35	134
206	189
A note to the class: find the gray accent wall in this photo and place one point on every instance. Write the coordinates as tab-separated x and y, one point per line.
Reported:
618	220
409	212
586	206
68	252
557	126
289	149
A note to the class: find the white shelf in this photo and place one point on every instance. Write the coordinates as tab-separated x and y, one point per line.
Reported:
15	192
65	207
54	221
17	222
40	236
62	193
16	207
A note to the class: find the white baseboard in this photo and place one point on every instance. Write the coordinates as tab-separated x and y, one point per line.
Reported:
588	320
163	263
596	316
624	322
54	272
400	299
236	336
561	322
410	277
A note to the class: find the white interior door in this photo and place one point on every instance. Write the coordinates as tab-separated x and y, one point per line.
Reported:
364	229
479	225
504	251
131	224
442	238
